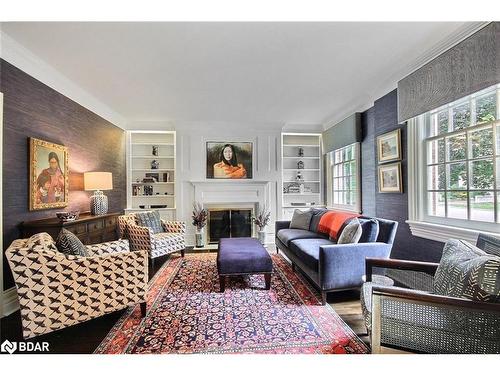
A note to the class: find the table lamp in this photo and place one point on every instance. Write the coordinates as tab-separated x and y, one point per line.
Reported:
98	181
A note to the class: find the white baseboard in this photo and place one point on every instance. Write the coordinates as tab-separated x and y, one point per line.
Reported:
10	301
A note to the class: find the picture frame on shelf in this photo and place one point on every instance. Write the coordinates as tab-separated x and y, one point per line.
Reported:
389	178
389	146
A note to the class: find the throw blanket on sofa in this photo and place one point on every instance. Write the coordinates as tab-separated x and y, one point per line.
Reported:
331	222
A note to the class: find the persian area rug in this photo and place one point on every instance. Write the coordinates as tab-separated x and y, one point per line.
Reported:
188	314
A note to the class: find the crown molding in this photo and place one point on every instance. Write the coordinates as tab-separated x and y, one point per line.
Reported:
22	58
366	101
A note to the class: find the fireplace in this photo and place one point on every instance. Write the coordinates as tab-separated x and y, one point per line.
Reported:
229	223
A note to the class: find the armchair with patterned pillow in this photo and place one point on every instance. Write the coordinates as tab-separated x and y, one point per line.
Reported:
146	231
57	290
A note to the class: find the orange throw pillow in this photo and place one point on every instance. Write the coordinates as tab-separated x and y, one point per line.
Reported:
331	222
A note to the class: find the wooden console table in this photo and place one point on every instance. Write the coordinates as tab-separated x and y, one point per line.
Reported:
88	228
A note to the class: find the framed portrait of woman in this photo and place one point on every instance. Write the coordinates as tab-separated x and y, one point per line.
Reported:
48	175
229	160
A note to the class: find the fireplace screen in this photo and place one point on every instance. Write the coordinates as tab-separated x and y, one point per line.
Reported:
229	223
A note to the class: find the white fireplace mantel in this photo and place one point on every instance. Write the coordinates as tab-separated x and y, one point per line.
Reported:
224	192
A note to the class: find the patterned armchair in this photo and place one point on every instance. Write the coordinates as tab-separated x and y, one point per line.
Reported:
413	318
171	240
57	290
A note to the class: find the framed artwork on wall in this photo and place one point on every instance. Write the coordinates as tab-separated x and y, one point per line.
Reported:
48	175
229	160
389	146
389	178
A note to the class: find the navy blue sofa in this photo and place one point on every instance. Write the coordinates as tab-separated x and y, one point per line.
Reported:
331	266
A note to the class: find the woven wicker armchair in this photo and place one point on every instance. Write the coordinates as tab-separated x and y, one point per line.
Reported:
411	318
171	240
57	290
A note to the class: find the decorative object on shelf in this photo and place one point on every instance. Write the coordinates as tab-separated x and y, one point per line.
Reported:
68	216
229	160
199	217
155	164
147	190
138	180
301	151
298	204
158	206
136	190
299	177
307	189
166	177
261	220
389	178
293	188
148	180
155	151
98	181
48	175
301	188
144	206
300	164
154	176
389	146
285	188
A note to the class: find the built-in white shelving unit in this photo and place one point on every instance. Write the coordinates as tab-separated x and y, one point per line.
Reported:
139	158
305	148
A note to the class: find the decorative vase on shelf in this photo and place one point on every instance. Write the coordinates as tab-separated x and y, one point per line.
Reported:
155	164
199	237
155	151
300	165
262	236
301	151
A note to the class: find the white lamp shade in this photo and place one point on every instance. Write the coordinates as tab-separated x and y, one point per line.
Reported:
98	181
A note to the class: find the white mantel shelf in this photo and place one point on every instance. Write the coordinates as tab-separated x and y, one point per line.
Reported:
229	180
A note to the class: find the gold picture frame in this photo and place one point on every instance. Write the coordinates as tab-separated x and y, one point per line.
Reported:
389	146
49	175
389	178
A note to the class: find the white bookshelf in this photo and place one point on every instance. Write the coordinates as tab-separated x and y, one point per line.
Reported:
312	177
139	158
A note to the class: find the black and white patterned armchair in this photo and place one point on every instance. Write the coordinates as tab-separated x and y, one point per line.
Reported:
412	317
171	240
57	290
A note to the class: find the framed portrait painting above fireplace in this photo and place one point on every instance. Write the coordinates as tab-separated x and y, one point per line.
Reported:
229	160
48	175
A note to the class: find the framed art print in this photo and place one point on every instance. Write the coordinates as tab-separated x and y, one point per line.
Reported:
48	175
229	160
389	178
389	146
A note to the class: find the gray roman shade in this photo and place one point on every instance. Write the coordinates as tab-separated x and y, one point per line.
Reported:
344	133
469	66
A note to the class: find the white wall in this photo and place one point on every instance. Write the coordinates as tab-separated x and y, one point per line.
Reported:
191	166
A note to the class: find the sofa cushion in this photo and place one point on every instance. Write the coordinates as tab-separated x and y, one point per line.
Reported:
301	219
150	219
370	229
307	250
69	244
351	233
316	217
468	272
287	235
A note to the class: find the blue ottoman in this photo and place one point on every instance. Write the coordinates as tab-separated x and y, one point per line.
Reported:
243	256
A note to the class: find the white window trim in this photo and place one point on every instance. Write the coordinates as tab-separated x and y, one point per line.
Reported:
419	226
329	175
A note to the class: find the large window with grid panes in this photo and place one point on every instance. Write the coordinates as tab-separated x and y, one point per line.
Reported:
460	147
344	172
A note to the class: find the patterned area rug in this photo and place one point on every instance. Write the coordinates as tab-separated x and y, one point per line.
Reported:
188	314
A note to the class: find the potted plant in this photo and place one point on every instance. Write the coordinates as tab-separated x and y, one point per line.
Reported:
200	216
261	220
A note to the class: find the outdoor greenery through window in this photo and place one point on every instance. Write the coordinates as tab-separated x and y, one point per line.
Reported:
345	177
463	158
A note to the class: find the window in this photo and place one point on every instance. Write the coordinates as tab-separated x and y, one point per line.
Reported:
459	164
344	180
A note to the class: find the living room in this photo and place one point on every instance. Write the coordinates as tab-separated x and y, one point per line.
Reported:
250	187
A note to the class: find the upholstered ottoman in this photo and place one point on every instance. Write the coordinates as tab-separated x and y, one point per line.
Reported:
243	256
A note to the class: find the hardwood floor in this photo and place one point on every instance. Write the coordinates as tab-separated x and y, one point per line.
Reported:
85	337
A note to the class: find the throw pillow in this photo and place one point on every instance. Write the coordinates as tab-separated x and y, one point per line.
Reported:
301	219
69	244
370	229
351	233
316	217
150	219
468	272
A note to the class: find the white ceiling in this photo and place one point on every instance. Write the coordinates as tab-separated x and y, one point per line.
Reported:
287	73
